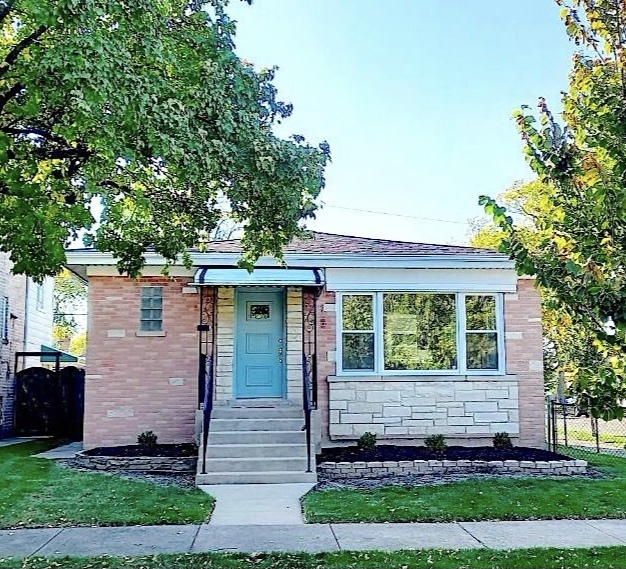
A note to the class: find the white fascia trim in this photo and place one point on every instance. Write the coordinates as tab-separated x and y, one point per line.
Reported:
473	261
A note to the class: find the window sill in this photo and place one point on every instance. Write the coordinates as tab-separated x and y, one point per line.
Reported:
150	333
432	377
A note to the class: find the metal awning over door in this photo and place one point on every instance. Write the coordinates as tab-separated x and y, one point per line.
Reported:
208	276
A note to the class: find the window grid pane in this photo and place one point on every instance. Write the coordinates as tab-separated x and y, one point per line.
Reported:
151	309
357	312
419	331
358	351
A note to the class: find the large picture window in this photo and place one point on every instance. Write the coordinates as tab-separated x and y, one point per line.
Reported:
414	332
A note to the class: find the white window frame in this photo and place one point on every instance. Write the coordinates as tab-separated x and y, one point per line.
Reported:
379	364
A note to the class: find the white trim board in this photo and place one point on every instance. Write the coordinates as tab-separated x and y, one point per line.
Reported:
421	280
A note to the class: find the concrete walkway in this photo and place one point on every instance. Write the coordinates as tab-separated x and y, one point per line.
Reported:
148	540
257	504
63	452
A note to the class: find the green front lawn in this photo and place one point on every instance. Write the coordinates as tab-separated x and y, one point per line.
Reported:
36	492
601	557
476	499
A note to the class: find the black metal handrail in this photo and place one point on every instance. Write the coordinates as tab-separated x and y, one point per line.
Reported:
307	406
207	407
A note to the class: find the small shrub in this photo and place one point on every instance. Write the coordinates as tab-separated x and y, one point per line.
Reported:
436	444
147	440
502	441
367	441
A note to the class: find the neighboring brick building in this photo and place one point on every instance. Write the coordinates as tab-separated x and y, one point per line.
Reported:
400	339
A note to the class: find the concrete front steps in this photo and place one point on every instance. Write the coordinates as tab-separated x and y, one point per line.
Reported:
256	445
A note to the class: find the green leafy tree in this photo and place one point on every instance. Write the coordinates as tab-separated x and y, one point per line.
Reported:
568	346
145	107
70	297
581	254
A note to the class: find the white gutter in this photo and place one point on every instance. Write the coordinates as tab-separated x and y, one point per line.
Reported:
469	261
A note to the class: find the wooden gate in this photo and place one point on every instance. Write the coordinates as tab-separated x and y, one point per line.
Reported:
50	403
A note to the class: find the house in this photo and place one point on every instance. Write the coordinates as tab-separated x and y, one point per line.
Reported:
400	339
26	311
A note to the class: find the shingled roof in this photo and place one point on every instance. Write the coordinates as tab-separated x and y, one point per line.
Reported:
332	244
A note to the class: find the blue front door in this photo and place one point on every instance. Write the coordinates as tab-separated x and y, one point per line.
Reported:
259	345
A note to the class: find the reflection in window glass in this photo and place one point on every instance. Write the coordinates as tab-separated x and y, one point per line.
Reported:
481	338
419	331
357	312
482	351
480	312
259	312
358	351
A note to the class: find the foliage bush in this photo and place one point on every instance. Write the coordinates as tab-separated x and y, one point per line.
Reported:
502	441
147	439
436	443
367	441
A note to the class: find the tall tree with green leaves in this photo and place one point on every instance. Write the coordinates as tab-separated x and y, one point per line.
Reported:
145	107
581	257
568	346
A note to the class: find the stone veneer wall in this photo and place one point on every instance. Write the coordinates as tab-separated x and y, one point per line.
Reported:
136	382
358	470
468	408
171	464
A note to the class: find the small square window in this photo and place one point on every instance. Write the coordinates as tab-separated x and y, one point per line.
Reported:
258	311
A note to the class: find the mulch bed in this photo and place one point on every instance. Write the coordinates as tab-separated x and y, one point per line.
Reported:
175	450
393	452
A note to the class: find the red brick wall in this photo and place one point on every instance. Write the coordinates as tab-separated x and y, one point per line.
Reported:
524	358
136	383
326	346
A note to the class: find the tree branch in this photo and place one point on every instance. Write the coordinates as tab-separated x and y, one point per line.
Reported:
21	46
12	92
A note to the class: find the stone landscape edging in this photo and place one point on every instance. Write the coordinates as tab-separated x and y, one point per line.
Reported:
375	469
155	464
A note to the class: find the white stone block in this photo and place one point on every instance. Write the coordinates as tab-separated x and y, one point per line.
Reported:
383	396
331	356
334	416
512	428
364	407
339	430
456	412
116	333
508	404
513	415
341	405
396	411
514	335
535	365
481	406
502	393
356	417
176	381
330	307
396	431
470	395
120	412
342	394
452	421
499	417
477	430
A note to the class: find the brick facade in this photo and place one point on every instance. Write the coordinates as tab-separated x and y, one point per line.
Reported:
136	383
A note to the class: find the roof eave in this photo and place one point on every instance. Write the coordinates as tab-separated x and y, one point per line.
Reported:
465	261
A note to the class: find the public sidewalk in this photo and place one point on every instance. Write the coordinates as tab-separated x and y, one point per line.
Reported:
149	540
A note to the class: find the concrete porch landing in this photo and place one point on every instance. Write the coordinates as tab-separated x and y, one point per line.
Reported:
257	504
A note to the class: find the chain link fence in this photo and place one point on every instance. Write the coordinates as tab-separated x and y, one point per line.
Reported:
570	428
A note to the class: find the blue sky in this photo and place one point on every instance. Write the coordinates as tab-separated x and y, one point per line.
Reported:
414	97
